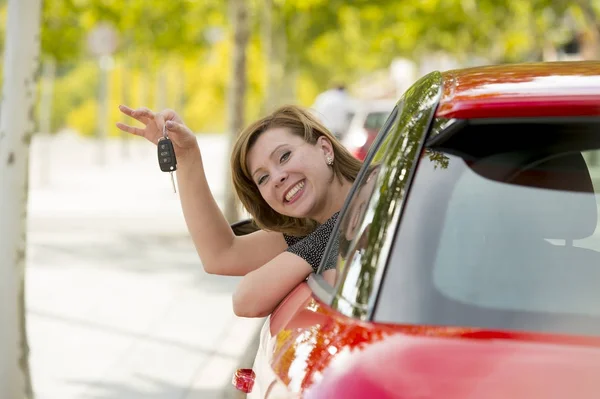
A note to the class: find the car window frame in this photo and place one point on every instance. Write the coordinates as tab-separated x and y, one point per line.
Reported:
322	289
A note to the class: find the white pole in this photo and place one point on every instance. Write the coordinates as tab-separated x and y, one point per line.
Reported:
21	59
47	92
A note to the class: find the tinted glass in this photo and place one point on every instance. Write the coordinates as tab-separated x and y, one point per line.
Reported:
500	232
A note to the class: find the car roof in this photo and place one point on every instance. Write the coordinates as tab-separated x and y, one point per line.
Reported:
522	90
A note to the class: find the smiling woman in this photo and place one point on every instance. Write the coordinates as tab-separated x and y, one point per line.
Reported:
290	173
293	176
291	152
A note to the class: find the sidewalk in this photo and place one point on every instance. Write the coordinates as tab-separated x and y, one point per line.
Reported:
118	304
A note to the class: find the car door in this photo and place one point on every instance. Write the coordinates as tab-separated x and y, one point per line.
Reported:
293	342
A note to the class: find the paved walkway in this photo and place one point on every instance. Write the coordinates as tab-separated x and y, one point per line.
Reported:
118	304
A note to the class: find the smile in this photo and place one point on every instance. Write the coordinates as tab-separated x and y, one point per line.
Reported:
294	192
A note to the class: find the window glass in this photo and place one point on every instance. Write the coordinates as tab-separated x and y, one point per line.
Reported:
501	232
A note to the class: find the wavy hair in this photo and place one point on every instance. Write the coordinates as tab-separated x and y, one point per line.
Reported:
303	123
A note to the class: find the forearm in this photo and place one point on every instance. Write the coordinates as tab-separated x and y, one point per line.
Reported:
210	231
260	291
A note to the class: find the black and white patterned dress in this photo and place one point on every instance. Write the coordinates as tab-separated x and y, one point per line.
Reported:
312	246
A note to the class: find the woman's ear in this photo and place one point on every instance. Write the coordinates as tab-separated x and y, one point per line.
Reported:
325	145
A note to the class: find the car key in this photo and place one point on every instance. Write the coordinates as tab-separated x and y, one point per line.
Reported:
166	156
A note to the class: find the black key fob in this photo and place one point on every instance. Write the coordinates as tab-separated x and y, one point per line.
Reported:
166	155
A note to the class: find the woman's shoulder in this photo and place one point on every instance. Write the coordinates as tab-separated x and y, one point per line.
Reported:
291	240
312	246
323	230
333	218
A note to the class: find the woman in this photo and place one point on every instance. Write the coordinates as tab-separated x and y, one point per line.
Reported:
292	176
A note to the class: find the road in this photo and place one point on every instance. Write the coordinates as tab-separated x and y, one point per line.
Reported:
118	305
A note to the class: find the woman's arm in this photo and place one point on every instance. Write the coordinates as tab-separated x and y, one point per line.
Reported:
220	251
261	290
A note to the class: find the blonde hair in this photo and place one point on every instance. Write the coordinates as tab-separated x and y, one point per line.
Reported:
298	121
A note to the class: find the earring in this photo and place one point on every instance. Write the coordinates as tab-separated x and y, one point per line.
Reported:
329	160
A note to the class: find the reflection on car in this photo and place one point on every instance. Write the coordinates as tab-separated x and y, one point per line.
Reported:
467	256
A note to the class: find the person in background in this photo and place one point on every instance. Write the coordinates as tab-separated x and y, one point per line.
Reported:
334	107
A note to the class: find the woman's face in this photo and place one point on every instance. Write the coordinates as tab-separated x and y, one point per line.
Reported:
292	175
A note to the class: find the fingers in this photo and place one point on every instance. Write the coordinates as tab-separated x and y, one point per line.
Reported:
177	128
179	133
143	114
174	126
155	123
164	117
130	129
159	118
125	109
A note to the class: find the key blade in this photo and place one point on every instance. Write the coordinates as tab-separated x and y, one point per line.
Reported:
173	181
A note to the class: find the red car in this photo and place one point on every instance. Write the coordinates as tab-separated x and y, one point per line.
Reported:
466	258
366	120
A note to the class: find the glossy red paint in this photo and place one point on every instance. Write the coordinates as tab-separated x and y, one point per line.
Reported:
310	356
526	90
243	380
410	367
315	352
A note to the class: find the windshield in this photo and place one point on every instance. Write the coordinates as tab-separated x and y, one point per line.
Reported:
500	232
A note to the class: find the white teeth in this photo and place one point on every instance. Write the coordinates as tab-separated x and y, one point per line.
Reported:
290	194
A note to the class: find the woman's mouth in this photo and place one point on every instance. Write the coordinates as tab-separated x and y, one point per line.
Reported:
294	193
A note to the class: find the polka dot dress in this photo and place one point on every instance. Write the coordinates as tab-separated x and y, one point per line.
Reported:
312	247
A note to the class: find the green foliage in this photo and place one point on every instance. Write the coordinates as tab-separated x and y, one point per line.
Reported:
73	92
62	34
316	42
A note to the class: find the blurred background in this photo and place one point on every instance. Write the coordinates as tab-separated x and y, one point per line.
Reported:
117	304
179	54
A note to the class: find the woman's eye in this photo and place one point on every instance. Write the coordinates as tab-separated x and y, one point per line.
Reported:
285	156
261	180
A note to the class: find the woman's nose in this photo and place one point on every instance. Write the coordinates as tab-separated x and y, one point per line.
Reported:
281	178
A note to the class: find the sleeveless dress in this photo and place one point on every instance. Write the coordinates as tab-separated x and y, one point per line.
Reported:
312	246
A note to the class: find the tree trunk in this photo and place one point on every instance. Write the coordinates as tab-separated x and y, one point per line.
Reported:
126	99
21	60
47	94
161	87
104	66
268	54
237	93
281	64
180	86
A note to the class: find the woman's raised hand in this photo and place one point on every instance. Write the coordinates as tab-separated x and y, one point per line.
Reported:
184	141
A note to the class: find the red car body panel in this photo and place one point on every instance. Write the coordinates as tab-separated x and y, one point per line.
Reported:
313	342
528	90
451	368
310	342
